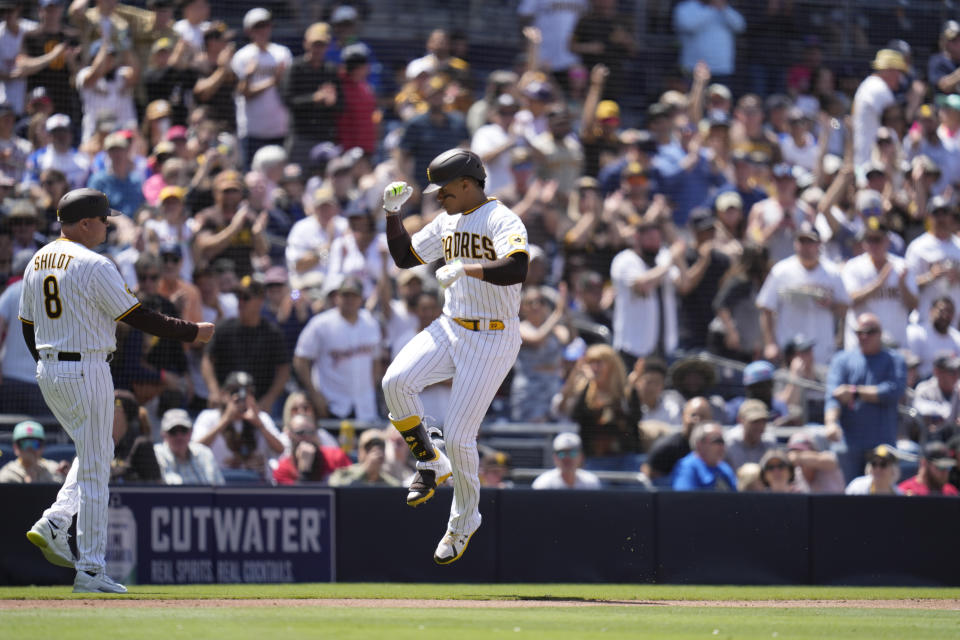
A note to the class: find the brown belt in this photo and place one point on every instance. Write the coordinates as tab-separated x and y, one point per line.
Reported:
480	325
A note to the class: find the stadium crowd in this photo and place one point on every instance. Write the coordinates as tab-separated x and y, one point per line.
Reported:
785	217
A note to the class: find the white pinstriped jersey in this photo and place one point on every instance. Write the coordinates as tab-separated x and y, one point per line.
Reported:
490	232
73	297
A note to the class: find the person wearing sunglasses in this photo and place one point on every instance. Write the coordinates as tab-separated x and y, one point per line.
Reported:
864	386
566	473
311	459
882	473
776	472
182	461
30	466
704	468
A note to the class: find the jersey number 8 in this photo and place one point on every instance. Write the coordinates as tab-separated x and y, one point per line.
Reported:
51	297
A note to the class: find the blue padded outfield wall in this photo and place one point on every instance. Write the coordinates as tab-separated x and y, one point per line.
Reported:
161	535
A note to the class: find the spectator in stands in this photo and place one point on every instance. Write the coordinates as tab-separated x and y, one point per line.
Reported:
260	68
52	50
357	123
748	133
802	293
604	37
133	457
708	32
361	252
863	388
816	466
594	397
249	343
335	358
215	80
706	267
313	94
14	150
748	478
23	226
493	143
400	462
703	469
935	337
567	474
297	403
935	398
494	468
668	449
194	24
289	310
935	465
538	372
802	403
882	473
935	256
310	459
874	95
181	293
738	318
19	392
308	245
59	154
240	435
757	384
943	68
430	134
556	22
749	440
124	188
30	467
776	472
645	307
230	229
369	468
775	222
648	397
182	461
879	282
106	88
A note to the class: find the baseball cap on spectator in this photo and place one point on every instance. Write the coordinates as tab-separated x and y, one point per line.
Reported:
324	152
657	111
217	29
882	452
408	275
58	121
757	371
256	16
539	91
718	119
84	203
587	182
355	54
162	44
869	202
311	283
351	284
951	101
608	110
317	32
158	109
292	173
163	148
950	29
808	231
947	361
324	195
176	132
759	158
28	430
171	191
873	168
676	100
873	227
275	275
642	139
175	418
370	438
170	249
506	103
250	287
939	203
343	13
728	199
717	90
801	441
228	179
783	170
237	380
937	454
39	94
48	3
567	442
799	343
23	209
421	66
116	140
753	409
701	219
887	59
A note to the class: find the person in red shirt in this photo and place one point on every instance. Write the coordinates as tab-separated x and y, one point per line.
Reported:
308	461
357	123
931	479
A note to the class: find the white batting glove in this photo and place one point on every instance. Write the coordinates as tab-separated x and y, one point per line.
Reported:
449	273
395	195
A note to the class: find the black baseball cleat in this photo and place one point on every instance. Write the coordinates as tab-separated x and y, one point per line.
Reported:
424	485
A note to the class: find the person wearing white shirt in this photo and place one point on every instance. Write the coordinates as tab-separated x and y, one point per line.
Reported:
567	474
556	21
361	252
935	257
879	282
707	32
308	244
493	143
799	147
936	337
874	95
802	294
337	354
59	154
13	90
196	20
262	118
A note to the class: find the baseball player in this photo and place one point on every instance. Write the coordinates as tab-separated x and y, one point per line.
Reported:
71	299
476	339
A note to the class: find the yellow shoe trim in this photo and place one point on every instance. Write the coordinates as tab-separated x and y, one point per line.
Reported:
456	557
442	479
36	539
420	501
405	424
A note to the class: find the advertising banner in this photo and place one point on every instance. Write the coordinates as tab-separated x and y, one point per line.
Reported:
190	536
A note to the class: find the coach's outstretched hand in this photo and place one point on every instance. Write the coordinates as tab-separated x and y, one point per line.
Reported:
395	195
449	273
204	332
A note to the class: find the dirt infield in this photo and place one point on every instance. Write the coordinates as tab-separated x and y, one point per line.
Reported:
521	603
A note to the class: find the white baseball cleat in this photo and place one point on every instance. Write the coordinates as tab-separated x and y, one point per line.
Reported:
97	583
451	547
53	542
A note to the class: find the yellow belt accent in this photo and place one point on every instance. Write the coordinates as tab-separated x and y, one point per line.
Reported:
480	325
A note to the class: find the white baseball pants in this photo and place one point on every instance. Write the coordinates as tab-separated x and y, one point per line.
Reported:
80	395
478	361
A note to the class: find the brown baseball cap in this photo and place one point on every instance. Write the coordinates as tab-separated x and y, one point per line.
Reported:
228	179
84	203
